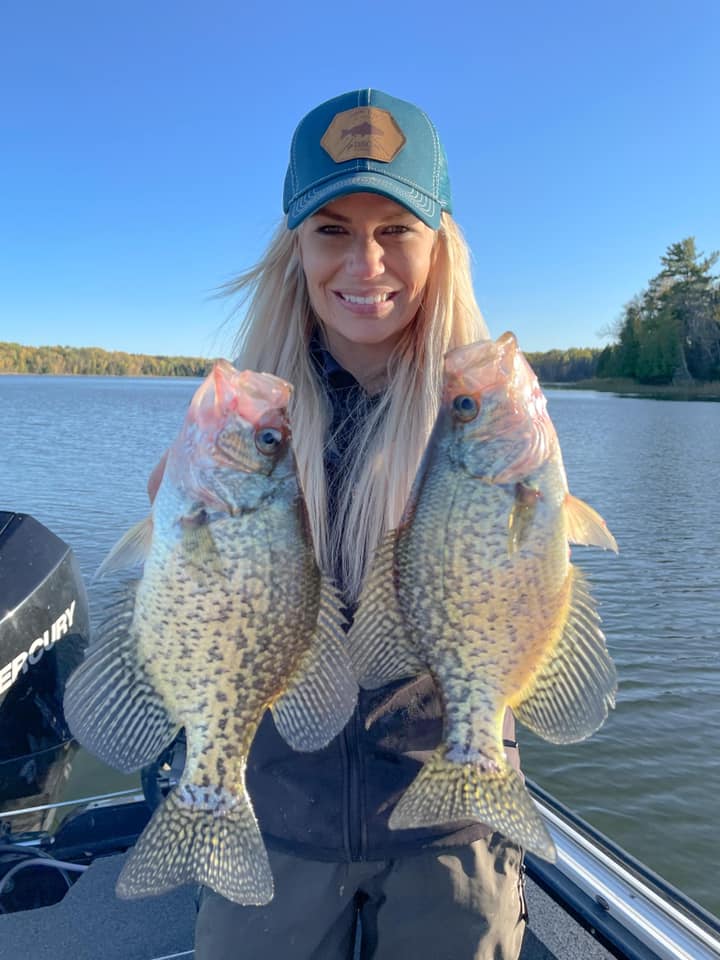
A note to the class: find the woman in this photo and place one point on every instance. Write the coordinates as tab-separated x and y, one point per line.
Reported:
363	289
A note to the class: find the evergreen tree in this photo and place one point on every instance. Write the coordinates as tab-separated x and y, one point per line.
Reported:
671	331
628	349
691	294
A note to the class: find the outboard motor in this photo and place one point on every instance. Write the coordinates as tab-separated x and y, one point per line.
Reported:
44	629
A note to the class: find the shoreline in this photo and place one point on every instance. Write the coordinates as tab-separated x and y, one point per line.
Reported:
706	390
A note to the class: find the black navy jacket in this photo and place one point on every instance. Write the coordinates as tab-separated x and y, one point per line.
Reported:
334	803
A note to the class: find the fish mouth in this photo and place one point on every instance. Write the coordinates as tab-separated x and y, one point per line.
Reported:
244	393
481	367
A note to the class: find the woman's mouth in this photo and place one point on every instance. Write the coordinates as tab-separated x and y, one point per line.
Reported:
367	299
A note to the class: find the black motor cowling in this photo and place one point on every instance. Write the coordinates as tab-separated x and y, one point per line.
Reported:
44	628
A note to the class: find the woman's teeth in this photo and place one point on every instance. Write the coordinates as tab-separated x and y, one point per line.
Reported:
378	298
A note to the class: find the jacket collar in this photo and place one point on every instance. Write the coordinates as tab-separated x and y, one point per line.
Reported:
335	376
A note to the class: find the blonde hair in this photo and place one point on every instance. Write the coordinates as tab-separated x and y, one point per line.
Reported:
273	337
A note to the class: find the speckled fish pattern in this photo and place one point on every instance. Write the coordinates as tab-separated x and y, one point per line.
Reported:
230	618
476	587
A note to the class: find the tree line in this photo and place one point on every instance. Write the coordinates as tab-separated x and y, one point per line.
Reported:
16	358
552	366
565	366
670	332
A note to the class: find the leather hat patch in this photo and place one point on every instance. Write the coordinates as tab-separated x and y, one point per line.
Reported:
363	132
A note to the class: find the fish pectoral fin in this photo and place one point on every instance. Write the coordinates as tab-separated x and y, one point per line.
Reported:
131	549
570	695
585	526
111	705
521	515
217	844
446	792
381	648
322	692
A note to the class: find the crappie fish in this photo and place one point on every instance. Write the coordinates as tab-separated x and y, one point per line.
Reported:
229	618
475	586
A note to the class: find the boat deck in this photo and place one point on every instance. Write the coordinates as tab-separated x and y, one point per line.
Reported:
91	923
595	886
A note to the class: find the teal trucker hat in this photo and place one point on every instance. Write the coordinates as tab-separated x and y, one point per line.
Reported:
367	142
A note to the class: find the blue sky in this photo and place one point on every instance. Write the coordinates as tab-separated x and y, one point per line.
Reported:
143	149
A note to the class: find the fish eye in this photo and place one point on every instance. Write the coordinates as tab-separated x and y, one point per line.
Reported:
268	441
466	407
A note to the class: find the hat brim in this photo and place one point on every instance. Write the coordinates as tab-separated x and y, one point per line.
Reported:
425	208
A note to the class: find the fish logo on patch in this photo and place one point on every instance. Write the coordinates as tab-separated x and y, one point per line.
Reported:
367	133
362	130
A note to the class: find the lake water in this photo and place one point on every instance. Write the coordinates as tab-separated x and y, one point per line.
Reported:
76	452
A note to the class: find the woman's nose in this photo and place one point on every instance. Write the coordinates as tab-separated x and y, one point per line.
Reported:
365	257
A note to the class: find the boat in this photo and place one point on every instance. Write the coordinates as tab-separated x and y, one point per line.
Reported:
44	628
59	859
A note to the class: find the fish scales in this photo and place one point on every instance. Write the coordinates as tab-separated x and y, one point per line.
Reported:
512	592
229	618
257	587
476	587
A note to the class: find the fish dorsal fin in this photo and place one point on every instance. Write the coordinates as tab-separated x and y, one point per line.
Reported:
132	548
380	646
569	696
585	526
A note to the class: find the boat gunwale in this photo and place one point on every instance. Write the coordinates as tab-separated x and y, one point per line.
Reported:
633	912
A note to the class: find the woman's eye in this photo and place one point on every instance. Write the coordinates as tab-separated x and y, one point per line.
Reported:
330	229
397	228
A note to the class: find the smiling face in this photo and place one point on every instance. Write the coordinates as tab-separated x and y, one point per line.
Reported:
366	261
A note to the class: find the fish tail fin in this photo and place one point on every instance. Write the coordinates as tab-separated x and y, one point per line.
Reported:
445	792
218	845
